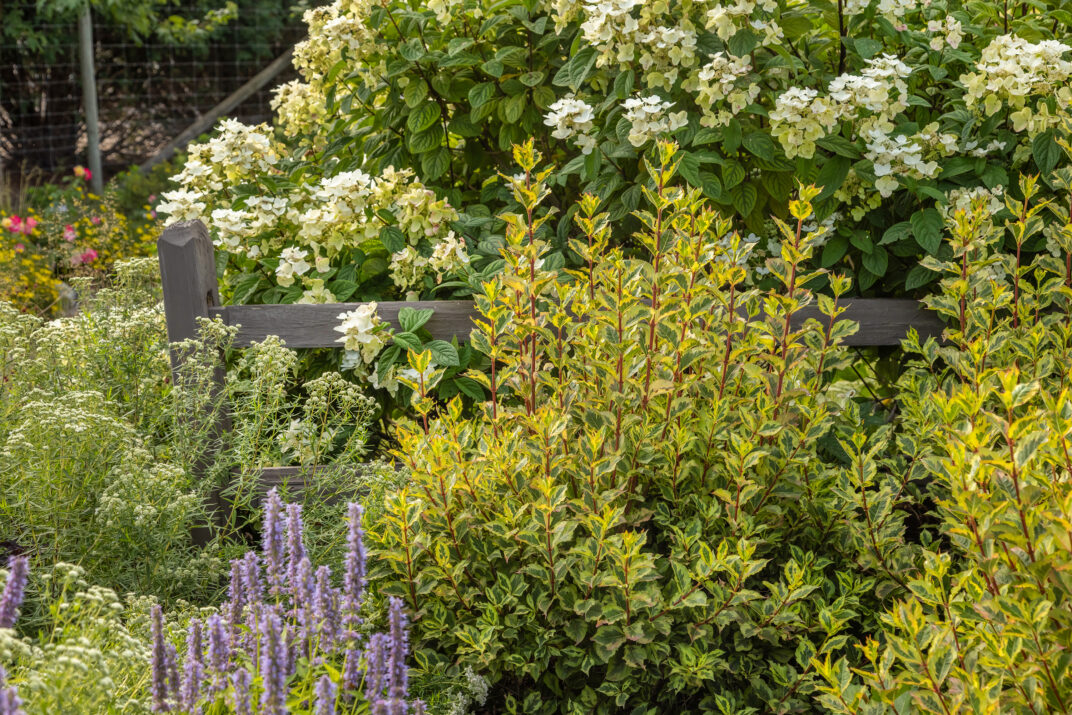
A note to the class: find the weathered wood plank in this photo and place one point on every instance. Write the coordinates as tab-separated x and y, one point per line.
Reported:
883	321
297	480
313	326
188	277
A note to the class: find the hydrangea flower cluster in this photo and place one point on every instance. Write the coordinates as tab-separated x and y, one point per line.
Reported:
572	118
363	332
337	31
895	156
993	200
282	623
1011	70
727	20
649	119
721	88
801	117
945	33
326	215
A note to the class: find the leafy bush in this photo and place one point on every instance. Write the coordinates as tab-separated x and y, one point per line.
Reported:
658	505
985	625
897	110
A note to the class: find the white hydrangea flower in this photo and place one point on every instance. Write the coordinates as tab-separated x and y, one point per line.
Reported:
291	263
649	119
945	33
408	268
801	117
897	156
572	117
182	205
720	90
1011	70
363	331
450	255
962	199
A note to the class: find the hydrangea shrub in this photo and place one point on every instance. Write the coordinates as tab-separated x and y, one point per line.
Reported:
380	175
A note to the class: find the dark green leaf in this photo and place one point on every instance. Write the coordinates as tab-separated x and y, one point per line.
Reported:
392	239
444	353
927	229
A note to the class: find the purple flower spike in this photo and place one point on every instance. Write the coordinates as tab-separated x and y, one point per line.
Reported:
418	707
236	595
273	543
273	666
159	662
325	696
219	651
326	609
398	673
241	681
251	579
376	668
295	545
351	671
171	660
193	668
10	703
354	576
14	590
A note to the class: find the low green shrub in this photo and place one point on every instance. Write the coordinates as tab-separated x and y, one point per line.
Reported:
660	506
986	624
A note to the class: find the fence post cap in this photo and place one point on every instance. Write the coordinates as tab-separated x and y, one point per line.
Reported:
182	232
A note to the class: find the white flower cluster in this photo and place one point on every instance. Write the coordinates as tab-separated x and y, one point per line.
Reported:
610	27
856	197
727	20
879	89
572	118
895	156
963	199
292	263
450	255
649	119
337	31
895	10
300	110
1011	70
945	33
721	88
801	117
363	332
663	51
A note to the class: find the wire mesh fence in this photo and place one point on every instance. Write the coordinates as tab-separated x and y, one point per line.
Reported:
150	85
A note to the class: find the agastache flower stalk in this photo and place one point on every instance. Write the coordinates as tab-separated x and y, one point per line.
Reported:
240	697
375	668
159	685
10	703
14	590
219	651
326	609
351	671
398	673
236	595
273	666
295	549
354	576
193	668
273	543
325	696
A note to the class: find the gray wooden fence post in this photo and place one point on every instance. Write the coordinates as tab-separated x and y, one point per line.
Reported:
188	276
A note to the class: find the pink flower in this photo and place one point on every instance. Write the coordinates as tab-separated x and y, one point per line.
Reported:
88	256
152	198
95	220
29	225
69	234
152	214
19	248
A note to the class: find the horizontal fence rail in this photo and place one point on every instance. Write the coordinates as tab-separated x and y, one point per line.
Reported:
188	275
883	321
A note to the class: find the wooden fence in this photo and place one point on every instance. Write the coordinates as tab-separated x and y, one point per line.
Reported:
188	274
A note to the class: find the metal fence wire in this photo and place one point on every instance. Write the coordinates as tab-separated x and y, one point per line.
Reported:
150	87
